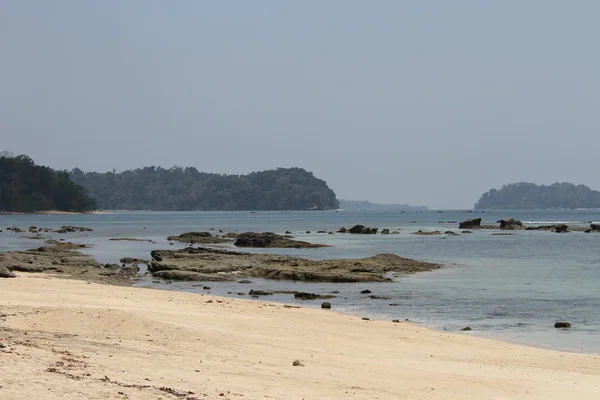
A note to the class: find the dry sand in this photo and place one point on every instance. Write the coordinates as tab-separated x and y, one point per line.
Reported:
65	339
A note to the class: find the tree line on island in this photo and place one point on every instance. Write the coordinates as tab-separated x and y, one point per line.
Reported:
525	195
27	187
177	188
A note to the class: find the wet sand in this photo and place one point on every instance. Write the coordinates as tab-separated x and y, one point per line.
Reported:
63	339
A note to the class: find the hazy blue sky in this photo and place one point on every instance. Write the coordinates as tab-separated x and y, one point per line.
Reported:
422	102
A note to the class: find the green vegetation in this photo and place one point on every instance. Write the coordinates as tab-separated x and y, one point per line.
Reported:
531	196
155	188
26	187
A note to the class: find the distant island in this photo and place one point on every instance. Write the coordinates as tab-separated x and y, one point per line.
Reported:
27	187
187	189
367	205
525	195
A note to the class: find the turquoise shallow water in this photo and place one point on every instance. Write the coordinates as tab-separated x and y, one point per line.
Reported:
508	287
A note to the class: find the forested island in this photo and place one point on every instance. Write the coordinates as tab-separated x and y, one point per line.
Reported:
177	188
525	195
27	187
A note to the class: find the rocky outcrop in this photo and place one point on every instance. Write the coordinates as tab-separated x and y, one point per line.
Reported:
65	259
510	223
70	229
471	223
236	265
385	231
197	238
272	240
6	273
361	229
562	324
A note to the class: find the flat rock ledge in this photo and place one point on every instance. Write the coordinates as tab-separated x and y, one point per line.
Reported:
206	264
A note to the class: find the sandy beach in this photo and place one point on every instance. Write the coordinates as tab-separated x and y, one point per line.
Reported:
67	339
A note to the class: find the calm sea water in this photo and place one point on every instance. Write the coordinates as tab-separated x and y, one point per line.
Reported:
508	287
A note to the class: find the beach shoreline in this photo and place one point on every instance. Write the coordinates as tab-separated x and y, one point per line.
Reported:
75	339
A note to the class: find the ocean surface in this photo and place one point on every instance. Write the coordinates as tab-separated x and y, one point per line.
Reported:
511	287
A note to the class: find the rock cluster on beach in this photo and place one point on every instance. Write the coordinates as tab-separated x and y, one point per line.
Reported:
206	264
64	258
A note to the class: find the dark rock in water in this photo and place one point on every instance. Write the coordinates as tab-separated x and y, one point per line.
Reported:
562	324
269	239
561	228
245	281
335	292
206	287
595	227
6	273
326	305
259	293
395	233
342	230
15	229
467	232
241	294
451	233
321	231
510	223
288	232
385	231
312	296
197	237
466	329
374	297
558	228
365	319
394	305
471	223
366	291
330	233
361	229
357	229
307	232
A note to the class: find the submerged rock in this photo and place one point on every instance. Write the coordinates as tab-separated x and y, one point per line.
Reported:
326	305
312	296
259	293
